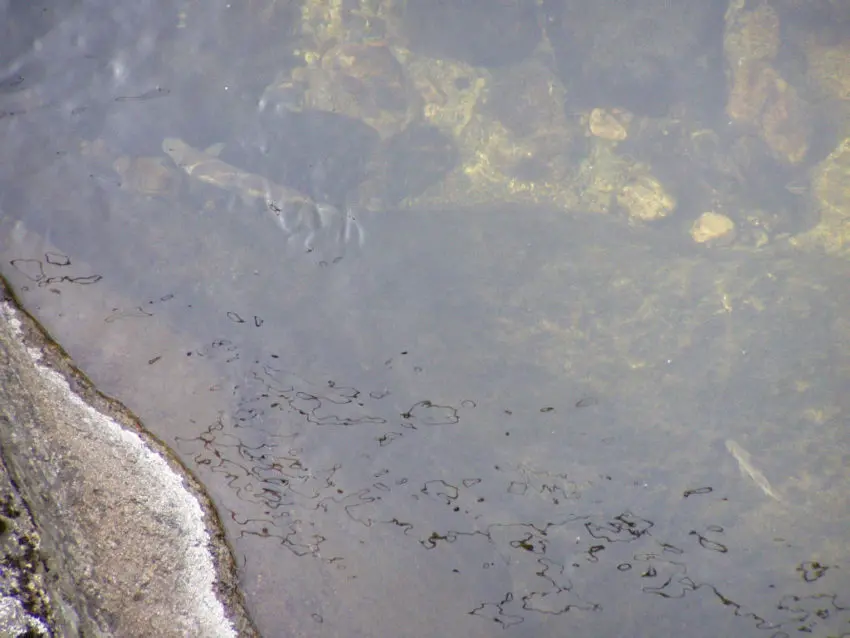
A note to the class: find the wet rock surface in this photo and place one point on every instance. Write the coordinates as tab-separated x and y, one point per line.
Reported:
121	541
24	600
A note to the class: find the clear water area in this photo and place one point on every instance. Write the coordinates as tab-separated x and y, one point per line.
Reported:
470	420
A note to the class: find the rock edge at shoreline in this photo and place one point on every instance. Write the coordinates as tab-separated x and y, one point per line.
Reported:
118	538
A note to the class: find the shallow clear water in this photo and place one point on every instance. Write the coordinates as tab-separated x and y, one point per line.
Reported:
459	420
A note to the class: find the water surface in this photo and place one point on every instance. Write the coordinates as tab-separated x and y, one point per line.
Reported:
468	419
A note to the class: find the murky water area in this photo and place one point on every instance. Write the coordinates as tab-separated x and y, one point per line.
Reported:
429	396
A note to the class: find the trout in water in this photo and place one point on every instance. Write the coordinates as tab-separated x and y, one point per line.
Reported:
747	468
206	167
294	211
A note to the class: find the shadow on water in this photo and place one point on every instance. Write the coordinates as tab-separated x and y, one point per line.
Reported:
492	420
